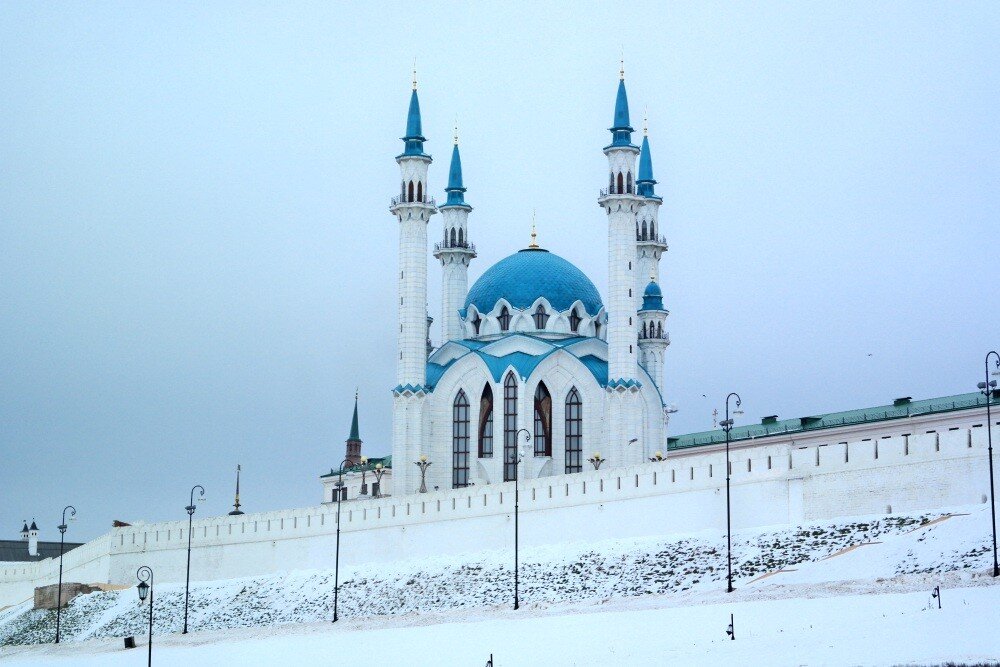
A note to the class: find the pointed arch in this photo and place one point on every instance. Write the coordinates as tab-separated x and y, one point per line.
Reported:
461	238
652	230
486	423
454	238
574	321
509	428
420	190
543	421
409	192
644	230
540	317
659	329
621	184
574	432
504	319
628	182
460	441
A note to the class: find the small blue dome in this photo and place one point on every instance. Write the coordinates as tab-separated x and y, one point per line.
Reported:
652	298
532	273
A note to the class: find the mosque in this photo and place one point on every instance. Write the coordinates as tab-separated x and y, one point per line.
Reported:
536	374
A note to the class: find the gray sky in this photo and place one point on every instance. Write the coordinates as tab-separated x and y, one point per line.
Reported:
197	255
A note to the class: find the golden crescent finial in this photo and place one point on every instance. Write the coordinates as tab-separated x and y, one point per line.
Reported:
456	130
645	122
534	234
621	69
414	73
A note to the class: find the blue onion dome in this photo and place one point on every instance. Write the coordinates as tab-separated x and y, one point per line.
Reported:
652	298
530	274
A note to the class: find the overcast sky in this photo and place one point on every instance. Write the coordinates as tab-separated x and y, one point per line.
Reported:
196	254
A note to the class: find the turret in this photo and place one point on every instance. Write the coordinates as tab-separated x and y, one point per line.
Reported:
33	539
454	250
622	204
412	209
353	456
650	242
653	336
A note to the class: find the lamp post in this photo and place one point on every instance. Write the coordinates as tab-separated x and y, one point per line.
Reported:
187	579
596	460
364	482
518	455
657	456
62	538
423	464
987	389
378	472
727	426
336	561
144	574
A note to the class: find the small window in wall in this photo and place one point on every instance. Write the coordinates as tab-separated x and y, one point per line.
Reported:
476	323
504	319
541	317
574	321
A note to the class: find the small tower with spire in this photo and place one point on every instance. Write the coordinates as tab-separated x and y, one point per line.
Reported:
650	241
622	204
353	456
454	250
653	336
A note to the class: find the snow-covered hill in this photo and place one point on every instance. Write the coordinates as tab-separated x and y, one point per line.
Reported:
857	558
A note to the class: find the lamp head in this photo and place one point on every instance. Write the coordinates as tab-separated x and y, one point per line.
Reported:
423	458
633	440
364	460
378	466
143	589
658	454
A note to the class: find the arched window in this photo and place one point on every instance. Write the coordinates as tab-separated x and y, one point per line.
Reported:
420	191
461	238
541	317
643	230
509	428
543	421
454	237
629	183
611	182
574	321
486	423
409	195
504	319
574	432
476	323
659	329
597	329
460	441
652	230
621	185
402	189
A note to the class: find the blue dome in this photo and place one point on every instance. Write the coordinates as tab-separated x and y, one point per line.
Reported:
532	273
652	298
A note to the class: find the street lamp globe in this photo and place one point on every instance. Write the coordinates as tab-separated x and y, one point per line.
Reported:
143	591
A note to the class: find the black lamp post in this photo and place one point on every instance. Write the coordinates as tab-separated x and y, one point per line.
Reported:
144	574
517	460
336	561
187	580
364	481
378	472
987	389
62	538
727	426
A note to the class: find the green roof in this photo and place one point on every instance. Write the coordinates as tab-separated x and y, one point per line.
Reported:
386	462
901	408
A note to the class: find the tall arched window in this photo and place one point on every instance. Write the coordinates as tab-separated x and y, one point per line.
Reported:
504	319
652	230
420	190
409	192
659	329
509	428
461	238
476	323
541	317
574	321
574	432
621	184
543	421
486	423
460	441
643	230
597	329
629	183
454	237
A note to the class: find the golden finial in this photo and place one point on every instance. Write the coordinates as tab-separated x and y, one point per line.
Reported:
534	234
645	122
456	130
414	74
621	69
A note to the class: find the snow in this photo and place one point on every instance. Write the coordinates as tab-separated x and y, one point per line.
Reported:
853	591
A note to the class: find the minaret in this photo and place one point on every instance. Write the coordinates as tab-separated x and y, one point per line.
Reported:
353	457
454	251
412	209
653	336
622	205
650	242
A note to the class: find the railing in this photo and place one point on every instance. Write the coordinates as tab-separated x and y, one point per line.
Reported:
606	192
651	238
402	199
447	245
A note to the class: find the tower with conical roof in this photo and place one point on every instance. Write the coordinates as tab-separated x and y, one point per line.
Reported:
353	456
412	208
653	336
622	204
454	250
650	241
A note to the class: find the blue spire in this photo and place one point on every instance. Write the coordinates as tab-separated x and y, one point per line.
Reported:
455	189
621	133
652	298
414	139
645	181
355	434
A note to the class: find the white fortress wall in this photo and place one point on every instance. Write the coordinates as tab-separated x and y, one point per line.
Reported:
686	492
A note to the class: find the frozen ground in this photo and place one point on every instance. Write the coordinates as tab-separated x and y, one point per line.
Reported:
848	592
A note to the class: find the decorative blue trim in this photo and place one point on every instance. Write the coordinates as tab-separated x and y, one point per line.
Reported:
623	383
412	388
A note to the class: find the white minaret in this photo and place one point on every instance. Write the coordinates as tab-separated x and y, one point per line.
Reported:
650	241
622	205
413	209
455	251
653	336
